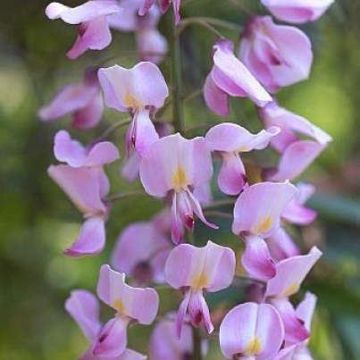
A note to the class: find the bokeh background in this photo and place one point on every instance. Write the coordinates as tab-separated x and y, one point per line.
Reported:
37	221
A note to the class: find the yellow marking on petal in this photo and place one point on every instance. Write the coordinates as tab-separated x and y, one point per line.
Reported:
264	225
200	282
292	289
254	347
179	179
131	102
119	306
243	149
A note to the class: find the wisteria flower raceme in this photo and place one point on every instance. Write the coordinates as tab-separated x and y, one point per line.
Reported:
251	331
278	55
140	90
165	344
257	215
210	268
230	77
297	11
291	125
83	101
174	166
141	252
86	184
109	341
230	140
91	19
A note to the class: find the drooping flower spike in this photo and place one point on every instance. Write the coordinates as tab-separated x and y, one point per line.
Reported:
230	140
195	270
140	90
230	77
297	11
83	101
165	344
291	125
257	215
91	19
251	331
174	166
277	55
83	307
141	252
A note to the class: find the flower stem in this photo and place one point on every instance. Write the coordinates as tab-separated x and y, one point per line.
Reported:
197	354
176	74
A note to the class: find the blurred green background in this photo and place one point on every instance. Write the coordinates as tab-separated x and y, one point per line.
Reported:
37	221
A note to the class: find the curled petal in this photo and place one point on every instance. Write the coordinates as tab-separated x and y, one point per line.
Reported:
290	273
136	303
83	307
305	310
281	245
251	331
199	312
216	99
91	240
257	259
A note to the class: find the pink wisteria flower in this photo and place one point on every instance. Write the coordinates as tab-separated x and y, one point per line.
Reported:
165	344
86	184
83	101
109	341
278	55
141	252
230	77
176	167
140	90
91	19
251	331
257	215
210	268
292	127
297	11
164	6
230	140
152	45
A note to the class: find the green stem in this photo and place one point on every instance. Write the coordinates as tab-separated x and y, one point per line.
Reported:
176	74
197	354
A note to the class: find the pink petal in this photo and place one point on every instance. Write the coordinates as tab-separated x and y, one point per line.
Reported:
102	153
297	11
83	307
91	240
305	310
112	340
257	260
216	99
290	273
199	311
211	267
136	303
231	75
253	331
147	4
130	169
257	210
129	354
152	45
82	185
281	245
296	158
135	88
68	150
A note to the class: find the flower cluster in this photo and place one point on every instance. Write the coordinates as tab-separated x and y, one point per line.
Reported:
179	171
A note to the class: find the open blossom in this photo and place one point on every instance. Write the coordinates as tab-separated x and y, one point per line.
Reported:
230	140
210	268
140	90
152	45
83	101
165	344
174	167
230	77
257	215
278	55
251	331
109	341
291	125
91	19
297	11
141	252
86	184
